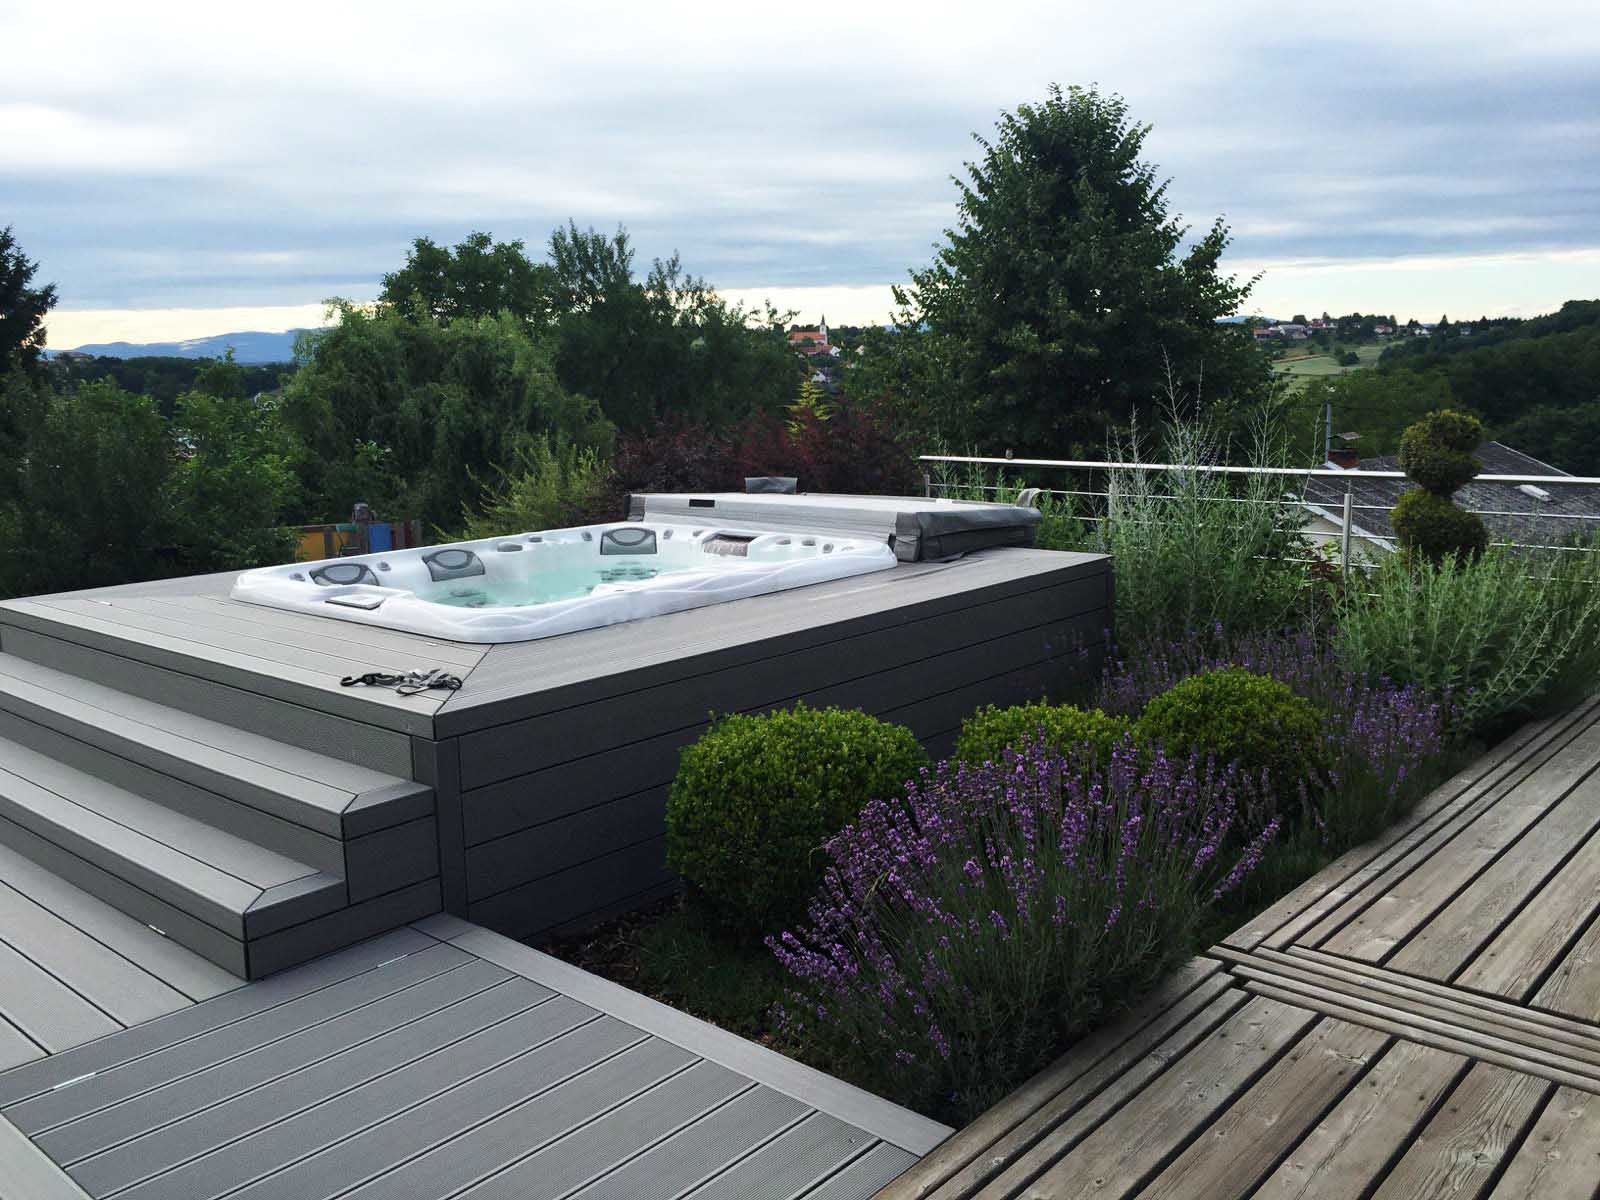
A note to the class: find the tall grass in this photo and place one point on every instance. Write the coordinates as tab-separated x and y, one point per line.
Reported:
1506	635
1192	549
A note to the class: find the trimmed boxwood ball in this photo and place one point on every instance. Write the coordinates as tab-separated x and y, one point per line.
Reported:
1238	716
1431	526
757	796
988	733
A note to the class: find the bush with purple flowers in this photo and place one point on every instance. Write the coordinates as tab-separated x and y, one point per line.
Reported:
965	933
1377	737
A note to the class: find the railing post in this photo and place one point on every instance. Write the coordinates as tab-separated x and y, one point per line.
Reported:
927	485
1344	535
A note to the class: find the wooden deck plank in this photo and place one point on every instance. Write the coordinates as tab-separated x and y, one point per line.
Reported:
1458	1151
1288	919
1351	1147
1455	934
1371	925
1548	1024
797	1162
1246	1142
1573	988
1122	1153
1081	1088
1540	935
1560	1157
1581	1054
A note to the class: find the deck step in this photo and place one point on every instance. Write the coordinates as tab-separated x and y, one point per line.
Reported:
252	852
187	869
324	794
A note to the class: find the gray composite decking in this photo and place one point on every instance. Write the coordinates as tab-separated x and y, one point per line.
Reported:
548	769
437	1060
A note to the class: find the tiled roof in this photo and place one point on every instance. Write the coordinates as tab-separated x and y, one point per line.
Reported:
1511	514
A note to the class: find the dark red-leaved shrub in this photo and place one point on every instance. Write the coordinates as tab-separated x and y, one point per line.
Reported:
853	451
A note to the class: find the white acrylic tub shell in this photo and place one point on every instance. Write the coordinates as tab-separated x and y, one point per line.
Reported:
627	571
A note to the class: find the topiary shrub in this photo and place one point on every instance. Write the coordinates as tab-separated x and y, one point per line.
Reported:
1238	716
1429	525
988	733
757	796
1436	453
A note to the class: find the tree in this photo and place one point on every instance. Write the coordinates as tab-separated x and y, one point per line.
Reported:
479	278
22	306
1568	438
668	349
414	417
1063	297
87	508
233	480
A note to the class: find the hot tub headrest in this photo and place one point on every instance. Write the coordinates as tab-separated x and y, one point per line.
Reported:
343	574
628	541
453	563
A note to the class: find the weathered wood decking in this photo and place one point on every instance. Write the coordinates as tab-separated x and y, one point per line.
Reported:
437	1060
1421	1019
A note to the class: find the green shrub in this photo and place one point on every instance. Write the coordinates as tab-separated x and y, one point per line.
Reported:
757	796
550	485
1505	634
1238	716
1436	453
1436	529
988	733
1437	450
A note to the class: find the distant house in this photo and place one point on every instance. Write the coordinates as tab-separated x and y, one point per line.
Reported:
1521	514
811	340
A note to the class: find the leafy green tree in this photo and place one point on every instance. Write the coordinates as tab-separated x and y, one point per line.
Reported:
423	412
1568	438
667	349
234	478
22	306
1064	297
478	278
88	504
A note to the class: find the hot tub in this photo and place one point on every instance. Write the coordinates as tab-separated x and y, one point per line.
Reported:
536	585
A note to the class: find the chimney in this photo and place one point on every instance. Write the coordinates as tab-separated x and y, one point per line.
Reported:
1346	458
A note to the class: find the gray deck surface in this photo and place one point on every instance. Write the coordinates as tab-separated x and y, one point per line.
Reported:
191	625
437	1060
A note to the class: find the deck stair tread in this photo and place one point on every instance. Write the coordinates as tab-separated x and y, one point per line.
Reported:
226	881
289	781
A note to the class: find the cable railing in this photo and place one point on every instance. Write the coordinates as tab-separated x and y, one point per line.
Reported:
1302	508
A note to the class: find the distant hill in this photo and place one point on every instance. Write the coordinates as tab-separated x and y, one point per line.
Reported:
247	348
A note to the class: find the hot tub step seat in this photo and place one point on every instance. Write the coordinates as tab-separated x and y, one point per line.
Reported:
252	852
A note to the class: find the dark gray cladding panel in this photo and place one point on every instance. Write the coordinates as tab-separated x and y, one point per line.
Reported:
920	528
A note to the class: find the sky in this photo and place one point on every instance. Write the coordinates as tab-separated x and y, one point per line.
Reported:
180	170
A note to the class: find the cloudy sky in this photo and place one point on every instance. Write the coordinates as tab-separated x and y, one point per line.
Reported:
185	169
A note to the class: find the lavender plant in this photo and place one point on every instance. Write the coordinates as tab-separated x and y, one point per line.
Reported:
964	933
1378	738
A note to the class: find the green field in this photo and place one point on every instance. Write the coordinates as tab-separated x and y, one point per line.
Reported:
1311	365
